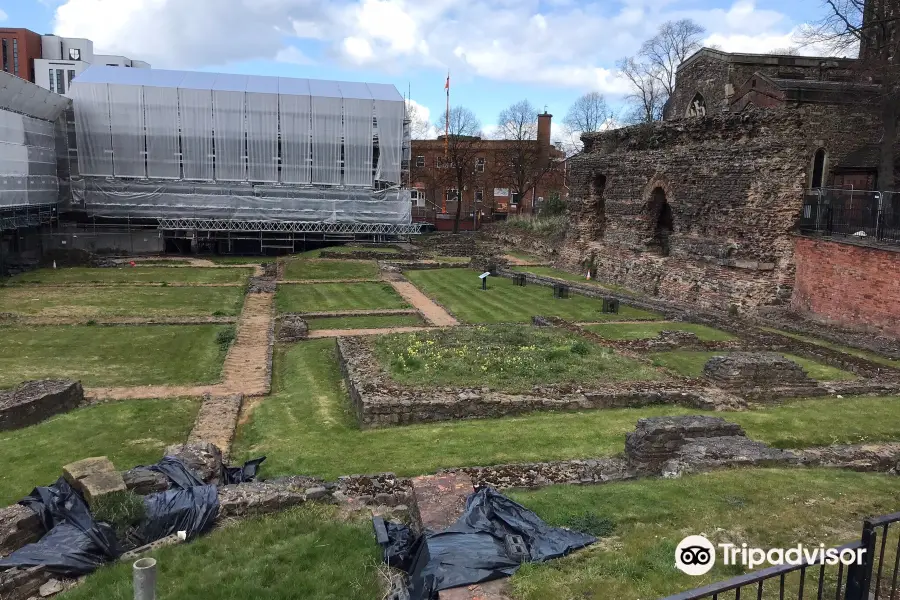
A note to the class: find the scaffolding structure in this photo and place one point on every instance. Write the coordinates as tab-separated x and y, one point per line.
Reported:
29	187
239	151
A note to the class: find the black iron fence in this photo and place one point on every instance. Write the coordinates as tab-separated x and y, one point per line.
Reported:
875	577
863	215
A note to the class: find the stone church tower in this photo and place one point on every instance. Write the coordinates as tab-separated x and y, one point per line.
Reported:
880	29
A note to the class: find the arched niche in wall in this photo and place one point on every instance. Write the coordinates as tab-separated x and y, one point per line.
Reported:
658	217
697	107
819	164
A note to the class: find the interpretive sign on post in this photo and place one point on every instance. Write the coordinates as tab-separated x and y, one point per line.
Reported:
483	278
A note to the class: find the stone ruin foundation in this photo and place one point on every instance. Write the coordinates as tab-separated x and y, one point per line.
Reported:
755	370
291	327
35	401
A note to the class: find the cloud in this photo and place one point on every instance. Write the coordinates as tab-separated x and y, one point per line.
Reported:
560	43
293	55
3	15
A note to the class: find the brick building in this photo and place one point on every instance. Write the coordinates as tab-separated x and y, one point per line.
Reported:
493	192
18	50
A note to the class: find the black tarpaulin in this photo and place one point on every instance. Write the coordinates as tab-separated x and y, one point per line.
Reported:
75	544
192	510
476	548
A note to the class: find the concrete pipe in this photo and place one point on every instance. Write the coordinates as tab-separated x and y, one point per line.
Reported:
144	579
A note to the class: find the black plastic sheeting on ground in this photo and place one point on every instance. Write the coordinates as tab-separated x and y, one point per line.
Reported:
476	548
75	544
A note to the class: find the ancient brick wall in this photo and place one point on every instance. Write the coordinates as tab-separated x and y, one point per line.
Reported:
848	283
734	185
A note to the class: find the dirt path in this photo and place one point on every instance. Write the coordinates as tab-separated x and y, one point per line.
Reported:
247	369
433	313
333	333
186	262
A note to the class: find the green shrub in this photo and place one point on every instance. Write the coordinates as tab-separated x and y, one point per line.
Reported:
554	205
581	348
225	337
91	323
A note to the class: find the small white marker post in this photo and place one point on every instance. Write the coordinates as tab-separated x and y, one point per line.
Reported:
483	278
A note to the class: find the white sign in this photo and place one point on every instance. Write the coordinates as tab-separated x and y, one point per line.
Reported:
503	192
483	275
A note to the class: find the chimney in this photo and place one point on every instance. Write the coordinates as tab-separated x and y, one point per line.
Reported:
543	137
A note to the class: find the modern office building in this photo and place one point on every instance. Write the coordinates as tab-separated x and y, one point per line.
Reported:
62	59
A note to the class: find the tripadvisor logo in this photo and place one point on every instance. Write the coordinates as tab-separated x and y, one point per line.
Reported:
695	555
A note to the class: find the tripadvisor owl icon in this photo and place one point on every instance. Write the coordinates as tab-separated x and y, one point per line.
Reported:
695	555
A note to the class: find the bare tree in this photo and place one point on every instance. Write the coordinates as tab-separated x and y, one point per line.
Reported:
521	161
419	127
873	26
587	114
463	146
647	97
675	41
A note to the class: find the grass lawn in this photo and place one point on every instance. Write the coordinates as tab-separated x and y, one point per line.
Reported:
526	257
870	356
366	322
346	250
306	552
690	364
298	298
513	358
459	290
307	426
767	508
330	269
97	303
112	356
139	274
642	331
129	433
575	278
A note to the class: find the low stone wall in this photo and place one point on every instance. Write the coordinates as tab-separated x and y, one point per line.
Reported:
35	401
522	240
370	255
379	402
536	475
755	369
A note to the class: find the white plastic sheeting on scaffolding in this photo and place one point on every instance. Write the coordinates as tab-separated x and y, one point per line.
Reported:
390	137
294	112
143	199
92	131
27	161
238	129
161	113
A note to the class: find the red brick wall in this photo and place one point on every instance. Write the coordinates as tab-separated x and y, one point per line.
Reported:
853	284
29	49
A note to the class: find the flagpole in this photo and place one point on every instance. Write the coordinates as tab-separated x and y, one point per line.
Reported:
447	143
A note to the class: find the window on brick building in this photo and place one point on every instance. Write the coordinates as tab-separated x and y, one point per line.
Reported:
452	195
479	195
479	165
5	55
16	57
420	161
